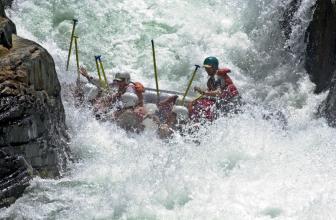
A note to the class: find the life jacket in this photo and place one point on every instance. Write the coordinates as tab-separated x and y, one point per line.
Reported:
212	83
139	88
229	90
206	107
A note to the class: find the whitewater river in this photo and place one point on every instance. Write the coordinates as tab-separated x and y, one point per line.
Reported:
243	168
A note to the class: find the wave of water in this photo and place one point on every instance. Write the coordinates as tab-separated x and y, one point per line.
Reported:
243	168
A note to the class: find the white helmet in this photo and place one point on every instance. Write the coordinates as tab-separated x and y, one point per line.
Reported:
181	112
129	100
122	77
151	108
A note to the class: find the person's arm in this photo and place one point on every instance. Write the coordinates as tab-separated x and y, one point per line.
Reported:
92	80
214	93
141	99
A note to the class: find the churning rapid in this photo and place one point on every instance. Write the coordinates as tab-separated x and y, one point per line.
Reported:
243	168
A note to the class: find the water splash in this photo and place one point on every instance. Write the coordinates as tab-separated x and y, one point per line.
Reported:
243	168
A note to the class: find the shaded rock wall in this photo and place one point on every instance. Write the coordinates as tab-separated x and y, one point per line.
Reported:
321	45
7	27
15	174
321	55
328	107
32	119
2	9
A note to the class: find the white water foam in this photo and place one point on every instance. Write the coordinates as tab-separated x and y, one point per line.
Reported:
243	168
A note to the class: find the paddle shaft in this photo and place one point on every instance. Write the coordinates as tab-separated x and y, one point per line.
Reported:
77	58
190	82
71	41
155	72
98	70
103	71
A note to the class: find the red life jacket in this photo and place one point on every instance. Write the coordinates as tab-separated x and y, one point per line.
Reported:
138	87
230	90
205	107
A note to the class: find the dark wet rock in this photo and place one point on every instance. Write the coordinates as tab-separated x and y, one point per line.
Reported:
3	5
7	27
15	174
330	104
32	119
328	107
2	9
321	45
320	38
321	56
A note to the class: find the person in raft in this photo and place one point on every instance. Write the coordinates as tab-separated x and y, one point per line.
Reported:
221	95
129	117
123	84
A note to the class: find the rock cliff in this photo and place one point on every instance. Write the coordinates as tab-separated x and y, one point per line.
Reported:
15	174
32	119
321	55
321	45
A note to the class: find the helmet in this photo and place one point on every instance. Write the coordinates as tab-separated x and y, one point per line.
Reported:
181	112
151	108
122	77
211	62
129	100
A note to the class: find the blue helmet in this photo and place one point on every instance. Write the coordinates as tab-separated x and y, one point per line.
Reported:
211	62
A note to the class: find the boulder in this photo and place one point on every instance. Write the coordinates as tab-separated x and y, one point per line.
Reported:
7	27
33	136
2	9
320	56
15	174
328	107
32	119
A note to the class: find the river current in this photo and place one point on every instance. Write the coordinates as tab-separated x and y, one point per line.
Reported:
243	168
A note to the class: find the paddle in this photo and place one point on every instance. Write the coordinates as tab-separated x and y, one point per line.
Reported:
98	70
72	37
98	59
155	73
77	58
190	82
